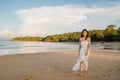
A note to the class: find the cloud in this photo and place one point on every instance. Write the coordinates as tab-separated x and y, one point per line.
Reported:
6	34
59	19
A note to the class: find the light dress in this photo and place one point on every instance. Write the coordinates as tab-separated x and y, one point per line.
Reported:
82	57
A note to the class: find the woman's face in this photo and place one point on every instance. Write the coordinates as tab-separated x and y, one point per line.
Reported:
84	33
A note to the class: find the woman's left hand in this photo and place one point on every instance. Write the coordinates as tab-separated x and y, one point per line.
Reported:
86	54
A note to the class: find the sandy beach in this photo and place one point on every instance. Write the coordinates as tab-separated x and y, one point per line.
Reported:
103	65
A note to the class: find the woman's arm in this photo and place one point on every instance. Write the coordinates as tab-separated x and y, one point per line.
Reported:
79	45
88	47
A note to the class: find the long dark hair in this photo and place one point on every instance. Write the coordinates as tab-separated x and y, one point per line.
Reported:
83	35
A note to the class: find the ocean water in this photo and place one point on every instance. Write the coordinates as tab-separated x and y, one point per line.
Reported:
8	47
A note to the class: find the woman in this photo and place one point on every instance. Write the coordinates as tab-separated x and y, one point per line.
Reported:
84	49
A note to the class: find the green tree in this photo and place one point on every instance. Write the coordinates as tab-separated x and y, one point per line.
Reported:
110	33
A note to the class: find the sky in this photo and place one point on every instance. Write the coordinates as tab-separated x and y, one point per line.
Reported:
48	17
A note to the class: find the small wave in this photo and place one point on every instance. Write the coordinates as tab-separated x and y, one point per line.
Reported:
1	45
112	47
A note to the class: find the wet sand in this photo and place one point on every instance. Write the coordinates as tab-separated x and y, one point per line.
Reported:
103	65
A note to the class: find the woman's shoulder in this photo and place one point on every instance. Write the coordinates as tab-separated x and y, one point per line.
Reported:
81	38
88	37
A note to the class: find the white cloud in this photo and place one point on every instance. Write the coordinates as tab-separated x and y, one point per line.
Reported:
6	33
67	18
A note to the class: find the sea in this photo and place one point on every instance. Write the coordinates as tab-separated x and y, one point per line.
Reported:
10	48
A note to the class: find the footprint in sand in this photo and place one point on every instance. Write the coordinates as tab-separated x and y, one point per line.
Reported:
29	77
96	77
117	66
106	75
109	70
119	69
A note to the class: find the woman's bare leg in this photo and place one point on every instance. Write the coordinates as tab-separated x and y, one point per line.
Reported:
86	64
81	66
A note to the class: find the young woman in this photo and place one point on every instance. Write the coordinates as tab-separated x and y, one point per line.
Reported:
84	51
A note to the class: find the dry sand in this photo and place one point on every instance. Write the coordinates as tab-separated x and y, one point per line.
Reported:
103	65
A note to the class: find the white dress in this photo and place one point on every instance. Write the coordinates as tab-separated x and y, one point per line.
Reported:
83	50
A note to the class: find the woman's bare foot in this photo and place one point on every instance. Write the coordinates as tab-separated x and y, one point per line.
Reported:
81	73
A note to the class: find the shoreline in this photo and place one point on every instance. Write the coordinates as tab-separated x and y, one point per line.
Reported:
15	54
58	66
34	47
111	43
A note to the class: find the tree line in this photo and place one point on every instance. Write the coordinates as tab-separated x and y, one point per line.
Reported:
108	35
